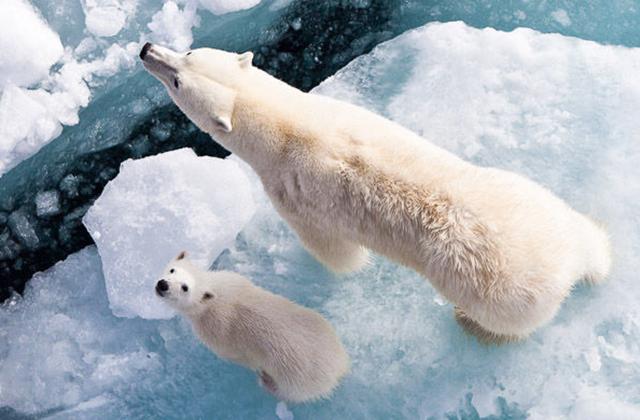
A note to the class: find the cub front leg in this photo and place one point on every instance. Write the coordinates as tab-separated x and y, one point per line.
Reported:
339	255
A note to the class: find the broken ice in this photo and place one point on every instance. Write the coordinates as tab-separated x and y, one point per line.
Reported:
560	110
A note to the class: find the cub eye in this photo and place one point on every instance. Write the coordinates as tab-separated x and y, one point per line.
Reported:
185	287
189	53
175	83
173	270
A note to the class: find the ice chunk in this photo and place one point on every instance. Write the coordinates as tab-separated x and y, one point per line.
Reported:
107	17
282	411
171	26
561	16
69	185
22	228
47	203
157	207
28	47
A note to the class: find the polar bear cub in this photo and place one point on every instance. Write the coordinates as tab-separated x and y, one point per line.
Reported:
296	353
503	249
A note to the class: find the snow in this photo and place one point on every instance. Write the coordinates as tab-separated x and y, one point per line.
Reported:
25	60
157	207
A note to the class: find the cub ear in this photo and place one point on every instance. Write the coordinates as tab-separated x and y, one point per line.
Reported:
207	296
181	255
245	59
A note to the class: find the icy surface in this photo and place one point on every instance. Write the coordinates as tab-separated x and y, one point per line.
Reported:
60	346
157	207
44	83
557	109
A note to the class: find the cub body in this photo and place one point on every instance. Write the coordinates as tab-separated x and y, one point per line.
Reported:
296	353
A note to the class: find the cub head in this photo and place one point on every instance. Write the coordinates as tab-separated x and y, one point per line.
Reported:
202	82
180	287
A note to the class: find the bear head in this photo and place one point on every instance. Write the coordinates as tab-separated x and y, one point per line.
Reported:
179	286
202	82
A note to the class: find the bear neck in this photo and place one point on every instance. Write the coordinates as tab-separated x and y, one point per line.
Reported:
265	122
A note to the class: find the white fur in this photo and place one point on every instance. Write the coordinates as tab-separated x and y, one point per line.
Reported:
240	322
503	249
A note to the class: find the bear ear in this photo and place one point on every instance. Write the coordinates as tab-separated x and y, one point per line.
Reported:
224	123
206	296
245	59
181	255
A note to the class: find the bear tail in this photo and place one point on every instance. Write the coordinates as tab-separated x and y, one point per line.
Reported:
598	254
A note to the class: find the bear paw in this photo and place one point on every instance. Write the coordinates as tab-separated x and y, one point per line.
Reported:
483	335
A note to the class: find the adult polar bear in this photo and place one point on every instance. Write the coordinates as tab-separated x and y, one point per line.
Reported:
503	249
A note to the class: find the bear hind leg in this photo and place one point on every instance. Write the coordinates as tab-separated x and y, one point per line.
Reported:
483	335
338	254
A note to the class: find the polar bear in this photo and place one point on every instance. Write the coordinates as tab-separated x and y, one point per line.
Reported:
296	353
504	250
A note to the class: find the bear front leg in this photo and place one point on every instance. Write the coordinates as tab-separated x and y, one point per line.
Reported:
339	255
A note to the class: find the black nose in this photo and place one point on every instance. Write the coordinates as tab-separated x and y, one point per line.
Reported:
162	286
145	50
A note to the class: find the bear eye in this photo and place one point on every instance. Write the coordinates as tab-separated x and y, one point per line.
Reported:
173	270
206	296
189	53
185	287
175	83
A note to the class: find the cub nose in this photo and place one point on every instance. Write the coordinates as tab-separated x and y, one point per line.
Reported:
145	50
162	286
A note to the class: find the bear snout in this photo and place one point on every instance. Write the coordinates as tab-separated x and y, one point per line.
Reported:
161	287
145	49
